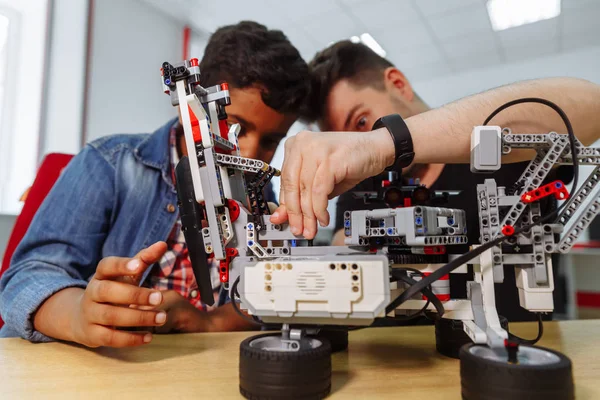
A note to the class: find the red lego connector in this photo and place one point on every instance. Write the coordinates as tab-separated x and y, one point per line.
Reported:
224	264
556	188
508	230
234	209
434	249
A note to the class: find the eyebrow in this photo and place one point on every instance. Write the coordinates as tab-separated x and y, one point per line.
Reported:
351	114
242	121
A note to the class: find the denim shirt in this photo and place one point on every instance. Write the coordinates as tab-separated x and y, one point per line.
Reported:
114	198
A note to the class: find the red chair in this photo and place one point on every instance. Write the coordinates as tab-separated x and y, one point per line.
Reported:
47	175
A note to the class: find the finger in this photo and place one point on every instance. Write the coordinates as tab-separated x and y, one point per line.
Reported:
103	336
152	254
114	267
280	216
290	182
109	315
135	306
306	202
105	291
323	185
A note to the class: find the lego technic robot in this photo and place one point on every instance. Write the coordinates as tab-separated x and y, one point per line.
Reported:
395	263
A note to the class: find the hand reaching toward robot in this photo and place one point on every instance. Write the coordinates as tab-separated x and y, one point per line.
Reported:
320	166
115	284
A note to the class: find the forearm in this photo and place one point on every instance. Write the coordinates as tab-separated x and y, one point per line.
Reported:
443	135
54	317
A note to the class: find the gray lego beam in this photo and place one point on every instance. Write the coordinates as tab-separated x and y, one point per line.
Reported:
489	223
577	199
579	226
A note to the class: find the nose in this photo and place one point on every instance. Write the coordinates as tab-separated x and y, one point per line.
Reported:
249	145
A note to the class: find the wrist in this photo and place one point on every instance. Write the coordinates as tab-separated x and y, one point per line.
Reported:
412	125
194	320
74	333
384	148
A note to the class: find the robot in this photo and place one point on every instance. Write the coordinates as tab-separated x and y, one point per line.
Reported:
395	263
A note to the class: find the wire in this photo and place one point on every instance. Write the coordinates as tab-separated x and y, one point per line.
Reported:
410	317
464	258
563	116
427	292
530	341
233	294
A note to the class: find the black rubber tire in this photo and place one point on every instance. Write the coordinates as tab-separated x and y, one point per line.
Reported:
338	338
450	336
485	379
305	374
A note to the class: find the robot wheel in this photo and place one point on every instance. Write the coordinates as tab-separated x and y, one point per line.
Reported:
273	368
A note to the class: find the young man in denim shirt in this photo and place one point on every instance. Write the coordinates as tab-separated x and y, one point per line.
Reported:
104	258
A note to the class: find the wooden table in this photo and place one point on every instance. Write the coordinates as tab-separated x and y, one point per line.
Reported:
381	363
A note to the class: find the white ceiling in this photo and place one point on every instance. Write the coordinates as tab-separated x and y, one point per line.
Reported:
423	38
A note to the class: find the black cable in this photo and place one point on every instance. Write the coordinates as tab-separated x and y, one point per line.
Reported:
464	258
233	294
531	342
410	317
427	292
562	115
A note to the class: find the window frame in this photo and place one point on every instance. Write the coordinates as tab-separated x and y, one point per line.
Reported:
8	108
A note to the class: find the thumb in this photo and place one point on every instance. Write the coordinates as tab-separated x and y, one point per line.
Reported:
152	254
146	257
279	216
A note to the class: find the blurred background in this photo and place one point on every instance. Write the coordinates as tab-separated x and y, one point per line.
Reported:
72	71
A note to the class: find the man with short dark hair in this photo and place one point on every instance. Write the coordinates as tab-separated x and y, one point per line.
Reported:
105	255
353	87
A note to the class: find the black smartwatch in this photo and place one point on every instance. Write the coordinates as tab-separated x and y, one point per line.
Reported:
402	138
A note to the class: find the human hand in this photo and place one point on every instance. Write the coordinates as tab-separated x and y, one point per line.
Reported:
182	316
105	305
321	166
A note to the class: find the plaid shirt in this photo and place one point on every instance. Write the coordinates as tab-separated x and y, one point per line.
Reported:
174	271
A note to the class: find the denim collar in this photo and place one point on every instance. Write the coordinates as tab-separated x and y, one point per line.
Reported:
154	151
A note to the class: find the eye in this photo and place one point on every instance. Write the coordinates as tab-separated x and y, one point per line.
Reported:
361	123
242	132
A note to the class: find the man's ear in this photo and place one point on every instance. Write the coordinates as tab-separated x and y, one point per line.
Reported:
397	82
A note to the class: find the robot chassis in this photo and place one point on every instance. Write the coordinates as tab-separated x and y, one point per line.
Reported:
317	292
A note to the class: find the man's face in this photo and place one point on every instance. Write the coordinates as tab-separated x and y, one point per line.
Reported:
262	128
353	108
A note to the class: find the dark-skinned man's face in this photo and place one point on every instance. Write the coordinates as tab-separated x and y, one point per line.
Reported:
262	127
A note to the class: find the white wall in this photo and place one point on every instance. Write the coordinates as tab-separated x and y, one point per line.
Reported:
130	41
62	119
19	138
583	63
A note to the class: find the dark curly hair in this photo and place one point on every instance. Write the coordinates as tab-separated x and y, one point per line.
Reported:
355	62
248	54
